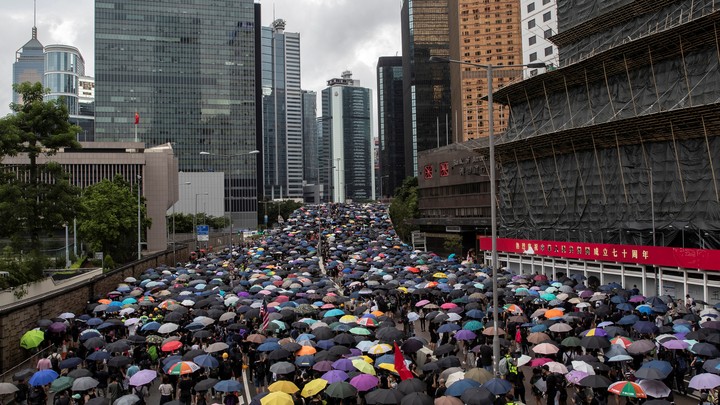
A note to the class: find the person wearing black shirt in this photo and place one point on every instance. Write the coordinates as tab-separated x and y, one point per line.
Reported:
184	390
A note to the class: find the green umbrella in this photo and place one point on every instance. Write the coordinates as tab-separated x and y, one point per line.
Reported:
360	331
61	384
340	389
548	296
571	341
473	325
32	339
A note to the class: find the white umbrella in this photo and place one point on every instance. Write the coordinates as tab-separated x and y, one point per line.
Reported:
412	316
216	347
454	377
168	328
582	366
556	367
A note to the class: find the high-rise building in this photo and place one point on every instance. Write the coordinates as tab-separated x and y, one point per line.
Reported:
426	85
391	129
486	34
282	112
346	151
311	165
185	72
64	65
539	23
29	63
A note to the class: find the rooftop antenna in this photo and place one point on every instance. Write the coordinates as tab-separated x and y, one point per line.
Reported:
34	28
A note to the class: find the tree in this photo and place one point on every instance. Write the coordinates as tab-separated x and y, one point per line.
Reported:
36	199
404	208
108	221
274	208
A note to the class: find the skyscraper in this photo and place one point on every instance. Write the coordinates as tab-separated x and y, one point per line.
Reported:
428	123
478	36
391	129
188	70
346	151
282	112
310	137
29	63
64	65
539	23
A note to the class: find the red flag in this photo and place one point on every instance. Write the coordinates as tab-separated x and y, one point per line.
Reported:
137	118
400	366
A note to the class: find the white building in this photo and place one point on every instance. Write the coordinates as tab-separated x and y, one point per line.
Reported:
539	22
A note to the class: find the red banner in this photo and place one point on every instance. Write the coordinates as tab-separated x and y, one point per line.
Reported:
703	259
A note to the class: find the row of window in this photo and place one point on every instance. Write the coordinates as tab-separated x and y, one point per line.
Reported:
531	6
546	17
548	52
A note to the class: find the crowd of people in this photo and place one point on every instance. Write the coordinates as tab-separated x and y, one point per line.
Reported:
334	308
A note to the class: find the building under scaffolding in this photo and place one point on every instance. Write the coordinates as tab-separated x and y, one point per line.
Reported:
618	150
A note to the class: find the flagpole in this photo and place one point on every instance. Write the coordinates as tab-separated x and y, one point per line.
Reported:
136	124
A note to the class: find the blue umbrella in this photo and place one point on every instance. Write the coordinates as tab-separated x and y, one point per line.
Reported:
645	327
43	377
458	387
99	355
475	313
628	320
70	362
94	321
305	361
448	327
498	386
228	386
661	365
268	346
644	309
151	326
625	307
206	360
539	328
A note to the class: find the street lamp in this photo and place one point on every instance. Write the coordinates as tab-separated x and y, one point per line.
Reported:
493	204
195	216
139	245
652	218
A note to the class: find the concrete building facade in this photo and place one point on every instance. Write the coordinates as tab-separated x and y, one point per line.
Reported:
539	23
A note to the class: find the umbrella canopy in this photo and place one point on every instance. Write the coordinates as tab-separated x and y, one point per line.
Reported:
627	389
32	339
43	377
340	390
314	387
143	377
287	387
704	381
84	384
276	398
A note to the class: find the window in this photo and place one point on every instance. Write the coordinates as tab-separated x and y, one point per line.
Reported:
548	51
532	40
531	7
548	33
546	2
547	16
533	57
531	23
533	72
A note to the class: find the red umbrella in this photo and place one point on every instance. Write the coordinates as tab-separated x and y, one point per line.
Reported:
171	346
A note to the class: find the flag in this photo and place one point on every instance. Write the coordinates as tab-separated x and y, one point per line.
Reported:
265	316
137	118
400	366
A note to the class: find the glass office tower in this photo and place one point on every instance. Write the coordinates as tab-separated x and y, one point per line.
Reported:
188	70
29	63
64	65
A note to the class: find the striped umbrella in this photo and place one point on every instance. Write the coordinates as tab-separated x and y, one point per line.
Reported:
183	367
627	389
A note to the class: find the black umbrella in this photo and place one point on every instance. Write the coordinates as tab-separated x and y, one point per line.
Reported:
80	372
384	396
119	361
449	361
190	355
595	381
477	396
594	342
98	401
291	346
706	349
279	354
444	349
339	350
417	398
344	339
411	385
136	339
340	390
411	346
119	346
205	384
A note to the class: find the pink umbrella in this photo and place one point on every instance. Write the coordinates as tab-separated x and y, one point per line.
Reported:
422	303
448	305
539	361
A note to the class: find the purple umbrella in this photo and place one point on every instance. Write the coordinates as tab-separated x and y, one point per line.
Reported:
704	381
57	327
335	376
344	365
143	377
364	382
675	344
464	334
323	366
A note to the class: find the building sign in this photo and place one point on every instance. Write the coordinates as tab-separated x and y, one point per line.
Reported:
703	259
428	172
444	170
469	165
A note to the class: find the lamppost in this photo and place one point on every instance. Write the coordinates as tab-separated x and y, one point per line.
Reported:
195	215
493	204
187	183
652	219
139	245
252	152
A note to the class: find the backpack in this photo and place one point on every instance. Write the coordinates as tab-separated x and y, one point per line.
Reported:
502	366
55	361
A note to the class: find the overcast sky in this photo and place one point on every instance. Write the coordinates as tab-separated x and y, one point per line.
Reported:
335	35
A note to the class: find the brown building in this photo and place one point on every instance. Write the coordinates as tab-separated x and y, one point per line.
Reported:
487	33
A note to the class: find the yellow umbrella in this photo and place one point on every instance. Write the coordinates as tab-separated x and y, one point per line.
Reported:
314	387
363	367
388	367
276	398
440	275
380	348
348	319
287	387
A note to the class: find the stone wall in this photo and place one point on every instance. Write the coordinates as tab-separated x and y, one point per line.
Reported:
18	318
